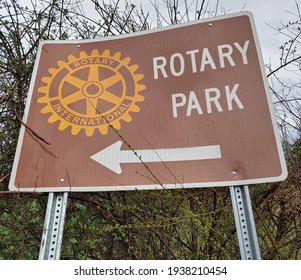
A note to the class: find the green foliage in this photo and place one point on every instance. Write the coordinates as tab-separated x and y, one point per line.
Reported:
21	223
166	224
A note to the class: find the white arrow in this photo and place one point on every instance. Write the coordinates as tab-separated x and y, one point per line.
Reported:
112	156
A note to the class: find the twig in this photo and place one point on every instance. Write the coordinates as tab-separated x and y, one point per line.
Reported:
35	134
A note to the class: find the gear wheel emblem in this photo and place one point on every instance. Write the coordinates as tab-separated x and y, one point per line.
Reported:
92	92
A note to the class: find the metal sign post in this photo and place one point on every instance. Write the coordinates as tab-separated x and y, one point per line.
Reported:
245	225
241	203
53	226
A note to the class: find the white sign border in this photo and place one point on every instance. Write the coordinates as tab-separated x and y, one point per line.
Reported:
281	177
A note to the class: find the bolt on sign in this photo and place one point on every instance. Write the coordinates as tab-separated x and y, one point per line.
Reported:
183	106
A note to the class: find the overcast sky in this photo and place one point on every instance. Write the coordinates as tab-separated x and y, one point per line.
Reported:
266	12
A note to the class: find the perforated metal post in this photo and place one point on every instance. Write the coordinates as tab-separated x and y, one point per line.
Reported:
245	225
53	226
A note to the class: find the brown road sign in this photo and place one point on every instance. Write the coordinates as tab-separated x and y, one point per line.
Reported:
184	106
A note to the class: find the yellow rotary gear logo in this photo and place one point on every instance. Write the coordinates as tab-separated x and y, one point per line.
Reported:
92	92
